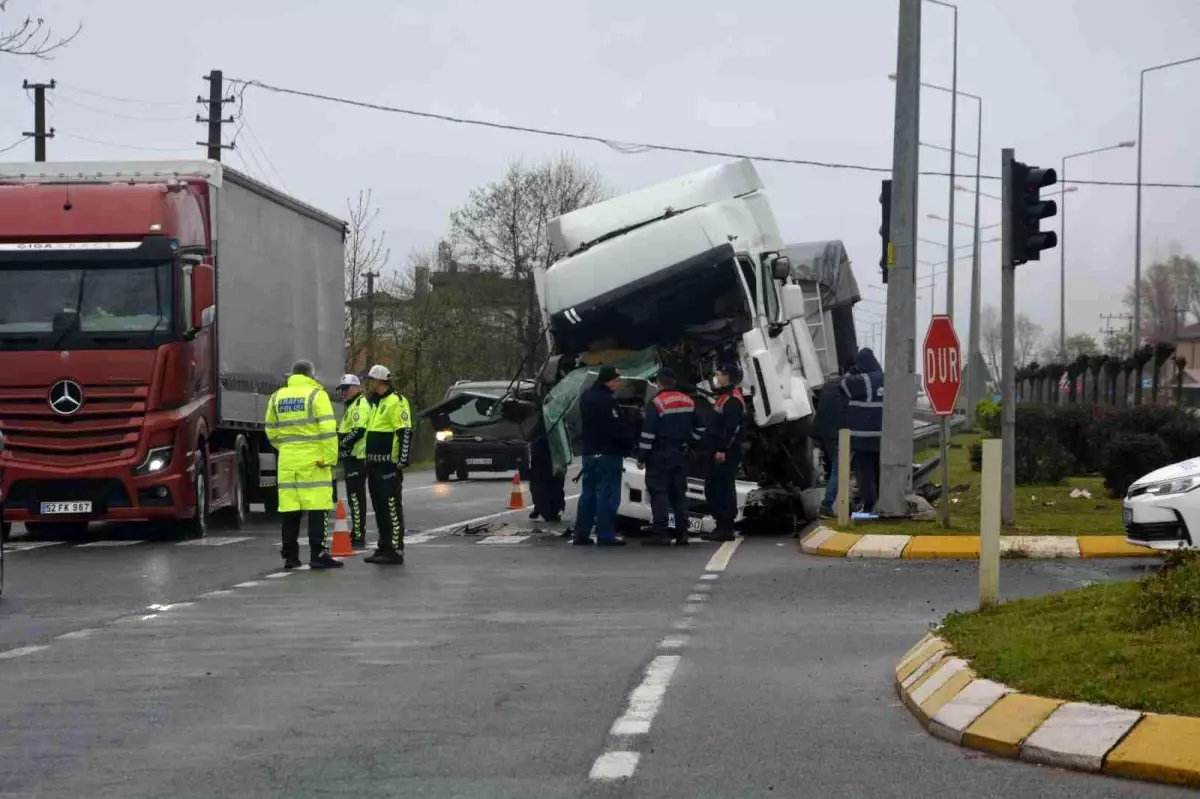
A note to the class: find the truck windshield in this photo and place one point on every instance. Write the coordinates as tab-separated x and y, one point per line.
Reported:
100	305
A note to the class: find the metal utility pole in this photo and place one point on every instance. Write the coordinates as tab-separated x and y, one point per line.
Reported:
216	90
370	276
896	447
39	134
974	383
1008	330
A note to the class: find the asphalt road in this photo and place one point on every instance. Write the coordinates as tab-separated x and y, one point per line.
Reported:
485	669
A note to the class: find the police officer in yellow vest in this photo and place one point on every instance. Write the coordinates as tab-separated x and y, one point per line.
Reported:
352	451
389	440
303	429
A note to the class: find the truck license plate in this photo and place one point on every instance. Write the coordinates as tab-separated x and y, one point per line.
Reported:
65	508
479	461
1127	516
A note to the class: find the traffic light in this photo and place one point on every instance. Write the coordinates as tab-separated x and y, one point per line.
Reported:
885	230
1028	210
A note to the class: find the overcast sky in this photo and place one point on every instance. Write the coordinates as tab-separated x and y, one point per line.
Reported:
794	79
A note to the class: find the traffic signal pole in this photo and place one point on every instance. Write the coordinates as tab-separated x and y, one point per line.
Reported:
1008	329
899	398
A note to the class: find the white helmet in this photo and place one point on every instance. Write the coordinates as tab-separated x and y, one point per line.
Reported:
379	372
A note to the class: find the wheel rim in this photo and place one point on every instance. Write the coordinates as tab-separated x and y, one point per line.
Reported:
201	498
239	496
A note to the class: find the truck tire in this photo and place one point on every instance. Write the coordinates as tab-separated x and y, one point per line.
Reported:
442	473
240	509
197	526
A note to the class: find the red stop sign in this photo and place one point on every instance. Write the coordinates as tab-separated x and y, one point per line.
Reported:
942	371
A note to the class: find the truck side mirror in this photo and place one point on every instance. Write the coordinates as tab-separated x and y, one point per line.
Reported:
792	298
201	309
781	268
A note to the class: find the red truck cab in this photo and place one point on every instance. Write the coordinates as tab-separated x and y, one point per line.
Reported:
107	395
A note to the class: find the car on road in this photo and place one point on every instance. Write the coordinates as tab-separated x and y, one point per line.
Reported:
1162	509
474	434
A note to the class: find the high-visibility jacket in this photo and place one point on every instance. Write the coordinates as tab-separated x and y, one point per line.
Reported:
302	427
389	430
352	433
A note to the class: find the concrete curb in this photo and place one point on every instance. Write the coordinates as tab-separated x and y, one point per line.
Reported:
827	542
953	704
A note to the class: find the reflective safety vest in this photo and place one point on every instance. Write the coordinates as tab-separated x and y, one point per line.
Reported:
301	425
353	429
389	430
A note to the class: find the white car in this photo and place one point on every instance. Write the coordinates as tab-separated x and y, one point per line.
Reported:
635	499
1162	509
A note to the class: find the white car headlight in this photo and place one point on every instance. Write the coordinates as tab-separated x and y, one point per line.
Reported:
1180	485
444	435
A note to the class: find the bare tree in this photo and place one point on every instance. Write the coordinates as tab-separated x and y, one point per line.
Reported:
1170	292
990	338
365	252
33	37
504	226
1027	335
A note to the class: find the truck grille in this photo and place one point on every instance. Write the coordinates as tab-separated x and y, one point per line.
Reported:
106	428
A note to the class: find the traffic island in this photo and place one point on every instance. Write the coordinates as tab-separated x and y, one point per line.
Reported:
1101	679
830	543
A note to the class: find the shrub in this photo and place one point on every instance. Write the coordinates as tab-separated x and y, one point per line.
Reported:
1041	461
976	457
1130	456
987	415
1172	595
1072	426
1182	436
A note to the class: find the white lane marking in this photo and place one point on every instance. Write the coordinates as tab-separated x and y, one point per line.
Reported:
503	539
418	538
448	527
149	616
702	587
248	584
277	575
614	766
697	597
673	642
684	624
647	698
223	592
109	544
77	634
28	546
709	576
691	608
720	559
21	651
215	541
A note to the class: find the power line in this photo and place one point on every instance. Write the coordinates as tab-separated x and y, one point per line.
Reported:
116	115
123	146
77	90
640	147
15	144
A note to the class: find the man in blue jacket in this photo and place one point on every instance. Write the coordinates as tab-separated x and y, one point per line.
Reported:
864	390
723	443
667	431
607	439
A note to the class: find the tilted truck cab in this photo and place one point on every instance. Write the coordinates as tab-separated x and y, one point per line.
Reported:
147	312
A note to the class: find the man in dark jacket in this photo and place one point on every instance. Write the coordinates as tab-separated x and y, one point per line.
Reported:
723	444
607	439
667	432
831	416
864	390
545	485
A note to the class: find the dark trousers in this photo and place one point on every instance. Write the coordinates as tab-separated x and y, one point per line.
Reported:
318	523
600	497
866	472
385	482
720	490
356	497
666	481
547	488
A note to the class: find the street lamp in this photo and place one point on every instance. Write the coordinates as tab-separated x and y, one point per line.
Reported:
1062	246
1056	193
940	218
1137	254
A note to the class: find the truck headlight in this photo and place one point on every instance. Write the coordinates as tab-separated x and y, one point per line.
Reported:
444	435
157	459
1180	485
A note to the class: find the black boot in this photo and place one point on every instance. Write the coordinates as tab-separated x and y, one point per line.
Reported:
324	561
292	563
682	540
385	557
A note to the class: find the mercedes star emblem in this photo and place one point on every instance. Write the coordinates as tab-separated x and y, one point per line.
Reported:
66	397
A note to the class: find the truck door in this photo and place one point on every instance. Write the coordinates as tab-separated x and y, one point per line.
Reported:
762	373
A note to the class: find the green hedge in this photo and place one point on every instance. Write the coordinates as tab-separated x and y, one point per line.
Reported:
1056	441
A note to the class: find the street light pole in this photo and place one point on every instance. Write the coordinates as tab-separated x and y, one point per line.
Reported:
953	163
1062	245
1137	246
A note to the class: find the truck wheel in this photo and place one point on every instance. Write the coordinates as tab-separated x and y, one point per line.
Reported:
271	501
197	526
241	507
442	473
462	474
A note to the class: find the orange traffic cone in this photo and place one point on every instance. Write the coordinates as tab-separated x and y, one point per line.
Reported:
517	500
341	534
